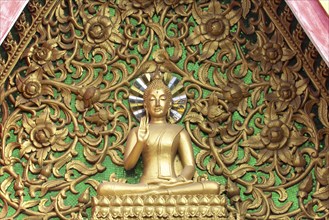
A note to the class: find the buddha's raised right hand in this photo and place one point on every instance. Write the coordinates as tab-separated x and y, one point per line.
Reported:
143	130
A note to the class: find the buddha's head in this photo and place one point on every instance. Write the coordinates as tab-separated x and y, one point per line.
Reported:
157	98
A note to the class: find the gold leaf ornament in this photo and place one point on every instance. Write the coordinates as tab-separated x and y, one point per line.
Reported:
305	187
43	136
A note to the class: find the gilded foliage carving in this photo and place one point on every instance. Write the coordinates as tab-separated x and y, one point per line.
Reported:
257	103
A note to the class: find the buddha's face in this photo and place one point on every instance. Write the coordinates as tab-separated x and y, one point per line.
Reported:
158	103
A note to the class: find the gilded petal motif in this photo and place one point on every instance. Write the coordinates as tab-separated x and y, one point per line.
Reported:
213	28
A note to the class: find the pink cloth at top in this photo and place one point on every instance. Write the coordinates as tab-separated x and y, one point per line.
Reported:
315	22
9	13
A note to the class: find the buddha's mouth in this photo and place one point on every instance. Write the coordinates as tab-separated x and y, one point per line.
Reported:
157	109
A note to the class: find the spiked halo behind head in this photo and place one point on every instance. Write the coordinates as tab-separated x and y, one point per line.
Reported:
179	99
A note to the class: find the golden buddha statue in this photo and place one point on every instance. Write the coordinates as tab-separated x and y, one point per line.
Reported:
158	142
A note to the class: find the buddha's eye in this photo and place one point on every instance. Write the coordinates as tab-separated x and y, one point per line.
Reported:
163	97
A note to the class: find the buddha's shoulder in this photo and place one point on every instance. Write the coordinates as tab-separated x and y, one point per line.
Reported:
135	129
176	127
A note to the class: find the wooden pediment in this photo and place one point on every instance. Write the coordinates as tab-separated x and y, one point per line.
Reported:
256	92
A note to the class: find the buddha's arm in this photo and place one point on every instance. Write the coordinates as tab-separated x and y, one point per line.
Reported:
185	151
133	150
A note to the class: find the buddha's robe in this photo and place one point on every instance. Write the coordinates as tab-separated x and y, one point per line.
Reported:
159	173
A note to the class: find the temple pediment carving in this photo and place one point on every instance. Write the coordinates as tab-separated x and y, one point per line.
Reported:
248	89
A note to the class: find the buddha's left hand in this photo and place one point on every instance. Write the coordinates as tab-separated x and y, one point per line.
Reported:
177	179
